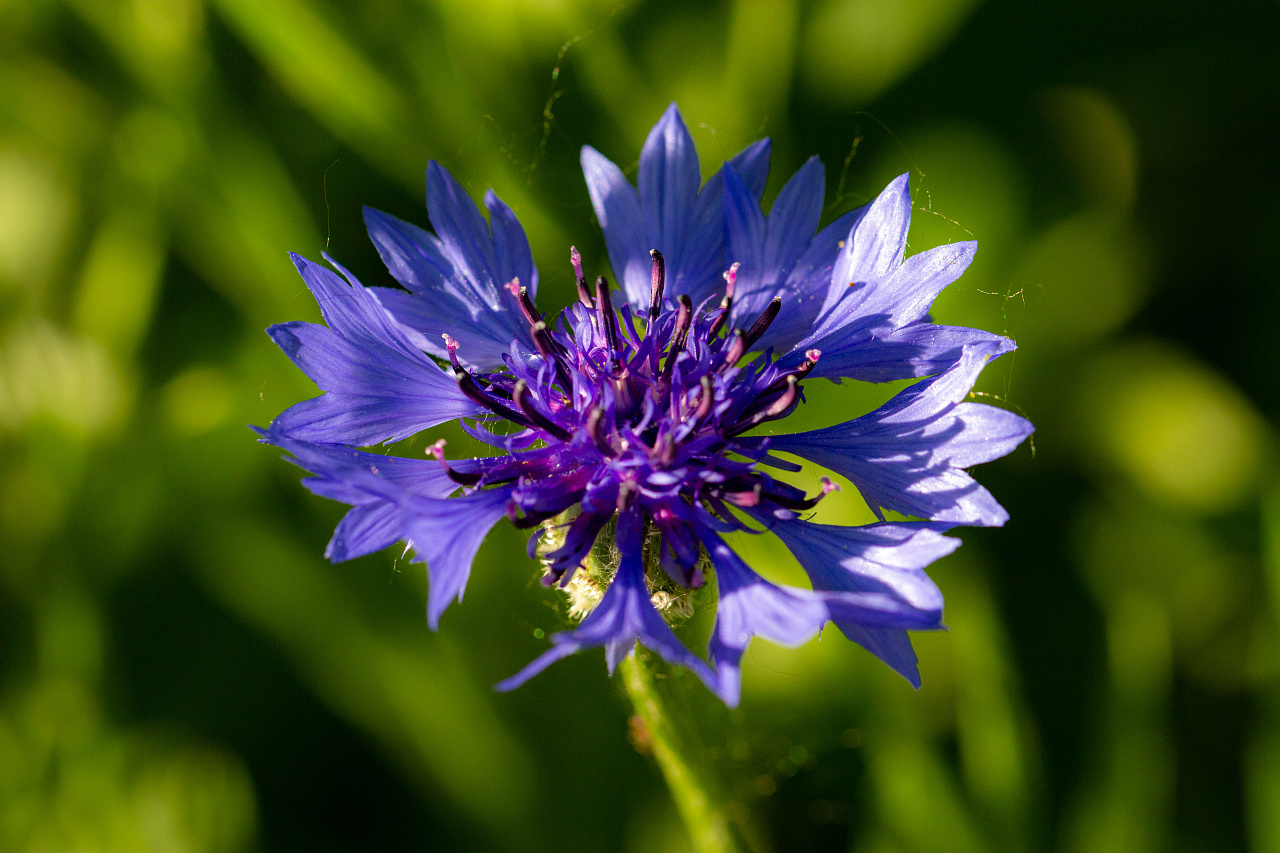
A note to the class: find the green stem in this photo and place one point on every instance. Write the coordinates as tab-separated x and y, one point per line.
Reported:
703	818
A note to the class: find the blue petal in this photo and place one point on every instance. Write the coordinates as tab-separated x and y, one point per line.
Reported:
365	529
482	340
669	213
805	288
464	235
769	251
887	558
883	355
752	165
446	534
413	256
901	297
668	182
702	262
891	645
794	217
745	234
511	246
379	386
907	455
374	485
625	233
750	606
624	616
455	280
876	245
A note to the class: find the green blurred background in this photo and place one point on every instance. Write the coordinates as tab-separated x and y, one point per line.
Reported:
181	670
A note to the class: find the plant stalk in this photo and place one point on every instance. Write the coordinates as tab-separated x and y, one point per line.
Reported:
703	817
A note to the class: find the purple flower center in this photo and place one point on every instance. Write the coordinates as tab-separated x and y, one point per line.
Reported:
627	408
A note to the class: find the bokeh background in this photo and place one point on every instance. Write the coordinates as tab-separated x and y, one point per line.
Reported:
180	670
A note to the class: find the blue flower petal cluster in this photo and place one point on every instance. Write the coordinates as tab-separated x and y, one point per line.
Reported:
640	422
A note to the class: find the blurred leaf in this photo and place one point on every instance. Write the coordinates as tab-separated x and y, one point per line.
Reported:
415	696
854	50
1178	430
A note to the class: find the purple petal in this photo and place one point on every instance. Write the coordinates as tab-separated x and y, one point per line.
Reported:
745	236
891	645
794	217
379	386
442	299
624	616
752	165
750	606
884	355
374	485
805	288
668	182
876	245
446	534
511	246
906	456
887	558
901	297
625	233
698	272
464	235
769	252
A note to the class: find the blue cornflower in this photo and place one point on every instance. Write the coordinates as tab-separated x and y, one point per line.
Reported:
632	421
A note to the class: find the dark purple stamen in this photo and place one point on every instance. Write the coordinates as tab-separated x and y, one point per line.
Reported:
527	307
608	320
437	450
726	304
467	385
707	401
684	318
552	352
592	428
762	323
521	398
735	351
656	284
802	503
575	258
778	407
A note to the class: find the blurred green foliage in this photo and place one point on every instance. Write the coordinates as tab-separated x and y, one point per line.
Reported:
181	671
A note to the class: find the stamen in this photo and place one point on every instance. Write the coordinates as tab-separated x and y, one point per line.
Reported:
708	401
763	322
521	294
805	503
735	351
521	398
575	258
467	385
750	498
552	352
437	450
608	320
726	304
452	346
656	285
781	404
592	428
803	370
684	319
776	408
666	448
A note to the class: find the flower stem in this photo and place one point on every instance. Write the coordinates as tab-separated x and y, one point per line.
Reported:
703	817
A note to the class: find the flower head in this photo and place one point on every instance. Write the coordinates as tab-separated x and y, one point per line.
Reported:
632	421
